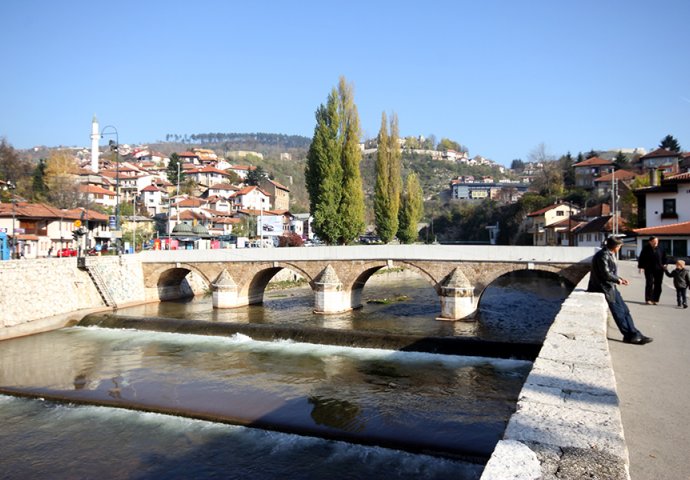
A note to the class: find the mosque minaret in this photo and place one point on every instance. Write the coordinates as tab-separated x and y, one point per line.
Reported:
95	139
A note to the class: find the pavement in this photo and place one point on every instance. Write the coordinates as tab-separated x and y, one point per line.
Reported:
653	382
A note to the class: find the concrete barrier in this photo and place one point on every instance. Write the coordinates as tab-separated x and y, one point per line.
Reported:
567	423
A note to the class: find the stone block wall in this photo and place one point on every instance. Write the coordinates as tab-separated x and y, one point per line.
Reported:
42	294
36	290
567	423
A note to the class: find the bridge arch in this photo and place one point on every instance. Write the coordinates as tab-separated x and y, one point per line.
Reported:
254	289
368	269
545	273
168	282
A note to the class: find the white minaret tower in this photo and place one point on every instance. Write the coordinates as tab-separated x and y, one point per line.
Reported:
95	138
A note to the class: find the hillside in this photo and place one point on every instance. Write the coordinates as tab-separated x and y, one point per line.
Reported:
434	175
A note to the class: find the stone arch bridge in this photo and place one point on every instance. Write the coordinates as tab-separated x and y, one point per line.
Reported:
337	275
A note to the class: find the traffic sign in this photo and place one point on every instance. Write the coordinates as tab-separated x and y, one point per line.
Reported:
77	223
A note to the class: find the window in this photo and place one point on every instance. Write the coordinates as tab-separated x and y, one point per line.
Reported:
560	213
669	210
680	248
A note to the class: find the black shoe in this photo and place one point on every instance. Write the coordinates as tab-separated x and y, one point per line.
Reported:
638	340
685	306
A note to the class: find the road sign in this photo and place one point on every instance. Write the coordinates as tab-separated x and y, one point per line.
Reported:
77	223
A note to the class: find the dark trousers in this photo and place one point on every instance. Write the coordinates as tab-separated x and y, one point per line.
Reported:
621	315
652	286
682	296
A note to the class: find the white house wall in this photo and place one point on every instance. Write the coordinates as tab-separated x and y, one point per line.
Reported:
655	206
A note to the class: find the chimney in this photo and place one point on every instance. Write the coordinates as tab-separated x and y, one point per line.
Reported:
653	177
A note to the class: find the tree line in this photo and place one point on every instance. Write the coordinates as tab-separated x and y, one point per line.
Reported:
273	139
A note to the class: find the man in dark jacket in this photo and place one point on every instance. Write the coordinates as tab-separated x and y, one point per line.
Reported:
652	260
603	279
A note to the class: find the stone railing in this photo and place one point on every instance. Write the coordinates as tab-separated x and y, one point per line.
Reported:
567	423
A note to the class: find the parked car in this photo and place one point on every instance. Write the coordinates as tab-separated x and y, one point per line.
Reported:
67	252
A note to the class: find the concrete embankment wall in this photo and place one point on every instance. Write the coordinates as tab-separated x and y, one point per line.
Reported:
567	423
44	294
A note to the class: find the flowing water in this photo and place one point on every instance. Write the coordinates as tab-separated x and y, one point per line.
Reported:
268	409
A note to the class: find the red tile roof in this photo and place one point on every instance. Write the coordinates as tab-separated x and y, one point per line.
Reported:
680	177
251	188
283	187
618	175
660	152
594	161
682	228
223	186
546	209
96	189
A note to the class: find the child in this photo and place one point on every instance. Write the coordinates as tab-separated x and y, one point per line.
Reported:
681	280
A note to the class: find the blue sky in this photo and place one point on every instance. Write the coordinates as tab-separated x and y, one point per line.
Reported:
500	77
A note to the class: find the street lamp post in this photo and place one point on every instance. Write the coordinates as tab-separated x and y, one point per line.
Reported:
115	147
13	246
134	220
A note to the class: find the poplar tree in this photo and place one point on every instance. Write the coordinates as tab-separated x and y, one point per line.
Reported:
333	179
411	209
388	180
352	201
323	172
382	207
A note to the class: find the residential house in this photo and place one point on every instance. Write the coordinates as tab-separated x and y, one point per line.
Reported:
224	190
154	200
99	195
664	211
674	238
219	204
541	219
39	230
251	198
207	176
466	188
603	184
189	157
589	170
241	170
280	194
661	159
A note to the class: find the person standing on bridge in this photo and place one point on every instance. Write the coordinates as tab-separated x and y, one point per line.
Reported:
603	279
652	260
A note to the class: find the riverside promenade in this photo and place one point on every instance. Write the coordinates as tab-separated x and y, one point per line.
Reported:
653	382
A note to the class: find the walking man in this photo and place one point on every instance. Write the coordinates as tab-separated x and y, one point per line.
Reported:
652	260
603	279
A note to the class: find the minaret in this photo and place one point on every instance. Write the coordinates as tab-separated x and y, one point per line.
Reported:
95	138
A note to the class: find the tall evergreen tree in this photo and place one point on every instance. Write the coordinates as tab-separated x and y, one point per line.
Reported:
388	180
670	143
38	186
172	170
324	173
411	209
255	176
382	207
351	210
332	176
